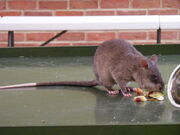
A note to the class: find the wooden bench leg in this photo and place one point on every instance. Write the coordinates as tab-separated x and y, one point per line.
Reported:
10	38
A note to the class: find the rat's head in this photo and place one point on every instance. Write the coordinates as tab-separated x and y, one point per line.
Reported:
149	75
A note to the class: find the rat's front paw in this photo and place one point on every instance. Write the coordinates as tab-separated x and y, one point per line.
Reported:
126	93
113	92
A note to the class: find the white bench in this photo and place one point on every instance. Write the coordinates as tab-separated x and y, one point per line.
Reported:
54	23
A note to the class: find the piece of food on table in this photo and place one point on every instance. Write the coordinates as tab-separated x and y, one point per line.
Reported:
156	95
143	96
138	91
140	99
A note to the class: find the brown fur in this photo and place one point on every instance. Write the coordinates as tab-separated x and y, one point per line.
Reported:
118	62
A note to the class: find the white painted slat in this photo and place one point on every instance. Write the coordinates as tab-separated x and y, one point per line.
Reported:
22	23
170	22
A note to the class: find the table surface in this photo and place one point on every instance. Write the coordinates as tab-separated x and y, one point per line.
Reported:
61	106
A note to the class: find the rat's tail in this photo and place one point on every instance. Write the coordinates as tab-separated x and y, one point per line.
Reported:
64	83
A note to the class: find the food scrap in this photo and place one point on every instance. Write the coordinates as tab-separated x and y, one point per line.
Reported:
156	95
147	96
140	99
138	91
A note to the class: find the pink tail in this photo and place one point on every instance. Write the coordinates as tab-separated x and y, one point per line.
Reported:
65	83
18	86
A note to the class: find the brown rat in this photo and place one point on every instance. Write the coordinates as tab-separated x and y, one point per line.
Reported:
115	62
118	62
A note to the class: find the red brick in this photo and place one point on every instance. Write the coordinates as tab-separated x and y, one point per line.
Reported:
10	13
39	36
53	4
131	12
100	13
114	3
143	42
100	36
72	36
22	4
163	12
166	35
26	44
17	37
69	13
133	35
3	37
169	35
81	4
153	35
2	5
32	13
3	44
171	3
146	3
86	44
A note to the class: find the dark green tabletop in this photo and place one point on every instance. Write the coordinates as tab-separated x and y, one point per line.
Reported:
77	110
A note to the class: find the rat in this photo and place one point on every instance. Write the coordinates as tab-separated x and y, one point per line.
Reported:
118	62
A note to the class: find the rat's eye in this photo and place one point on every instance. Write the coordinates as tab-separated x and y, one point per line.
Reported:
154	78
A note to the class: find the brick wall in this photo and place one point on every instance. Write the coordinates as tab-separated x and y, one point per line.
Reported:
88	8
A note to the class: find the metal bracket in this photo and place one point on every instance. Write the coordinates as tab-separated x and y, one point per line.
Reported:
56	36
10	38
159	36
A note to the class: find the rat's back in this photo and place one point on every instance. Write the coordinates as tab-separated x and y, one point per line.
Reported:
110	54
116	47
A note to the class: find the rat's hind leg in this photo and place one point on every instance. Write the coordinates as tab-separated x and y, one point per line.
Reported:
108	83
104	78
111	91
96	74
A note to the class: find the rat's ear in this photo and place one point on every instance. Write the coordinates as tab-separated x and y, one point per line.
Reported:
144	63
154	58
